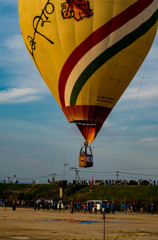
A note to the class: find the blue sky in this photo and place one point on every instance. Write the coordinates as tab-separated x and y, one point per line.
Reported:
35	137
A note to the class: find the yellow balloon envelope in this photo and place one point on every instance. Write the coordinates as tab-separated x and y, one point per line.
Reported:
88	51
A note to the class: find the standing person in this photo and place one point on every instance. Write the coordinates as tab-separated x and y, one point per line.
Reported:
84	208
128	207
81	206
101	208
118	207
60	206
134	207
38	205
14	205
125	207
122	207
64	206
131	208
75	206
95	208
112	207
152	208
72	207
90	207
108	207
78	207
35	205
55	205
5	204
47	205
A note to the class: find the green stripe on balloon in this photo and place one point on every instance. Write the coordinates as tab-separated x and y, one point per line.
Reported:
109	53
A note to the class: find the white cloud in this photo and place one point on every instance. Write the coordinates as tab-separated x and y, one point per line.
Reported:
23	77
19	95
145	94
15	43
14	52
9	2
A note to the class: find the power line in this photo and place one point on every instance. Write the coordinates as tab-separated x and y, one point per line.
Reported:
95	172
124	169
139	174
32	178
128	173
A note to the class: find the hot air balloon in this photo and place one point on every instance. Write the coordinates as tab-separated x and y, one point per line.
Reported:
87	52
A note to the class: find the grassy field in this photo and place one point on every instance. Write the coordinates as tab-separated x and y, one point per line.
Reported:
80	192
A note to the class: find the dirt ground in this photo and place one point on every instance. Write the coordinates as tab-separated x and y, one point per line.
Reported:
29	224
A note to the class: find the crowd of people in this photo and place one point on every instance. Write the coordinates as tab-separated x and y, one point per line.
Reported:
90	206
117	182
94	206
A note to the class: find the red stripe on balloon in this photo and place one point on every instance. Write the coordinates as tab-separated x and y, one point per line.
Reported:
97	37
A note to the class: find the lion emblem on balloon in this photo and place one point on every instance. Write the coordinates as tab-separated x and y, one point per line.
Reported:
77	9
